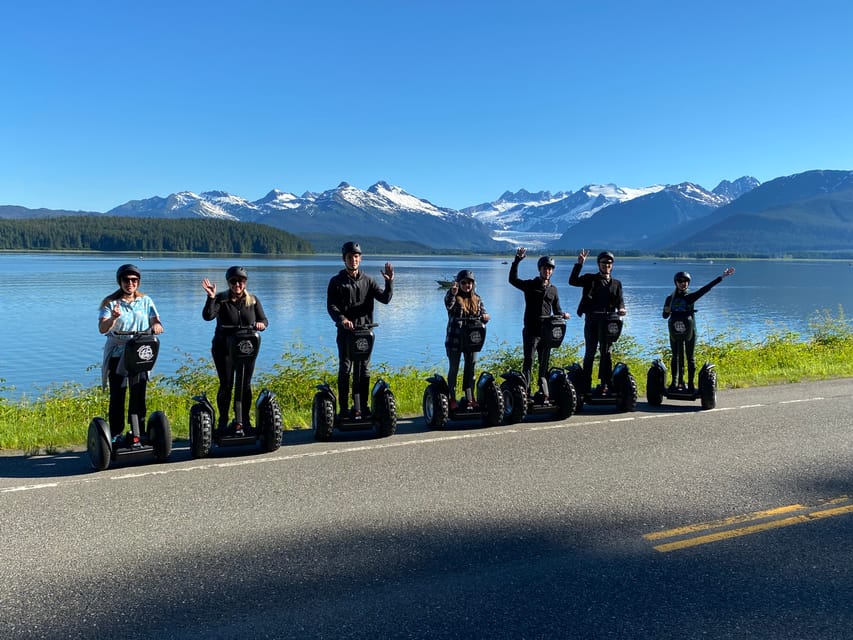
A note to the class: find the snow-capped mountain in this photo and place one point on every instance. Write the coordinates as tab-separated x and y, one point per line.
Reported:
186	204
648	220
535	219
382	211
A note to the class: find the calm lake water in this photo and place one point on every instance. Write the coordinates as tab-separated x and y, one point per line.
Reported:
49	305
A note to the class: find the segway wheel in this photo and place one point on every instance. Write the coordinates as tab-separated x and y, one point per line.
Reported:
269	420
160	434
493	402
436	408
97	445
628	394
515	402
566	397
576	377
654	386
322	417
708	388
201	431
386	420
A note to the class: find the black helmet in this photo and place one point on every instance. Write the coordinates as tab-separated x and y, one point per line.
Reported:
681	275
236	272
546	261
465	274
350	247
606	255
126	269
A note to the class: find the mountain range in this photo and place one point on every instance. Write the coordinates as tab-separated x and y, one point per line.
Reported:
810	211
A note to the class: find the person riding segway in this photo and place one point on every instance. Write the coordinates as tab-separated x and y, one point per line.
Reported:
130	321
679	311
603	305
350	299
465	336
236	342
543	330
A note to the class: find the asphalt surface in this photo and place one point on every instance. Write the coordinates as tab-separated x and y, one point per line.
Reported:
662	523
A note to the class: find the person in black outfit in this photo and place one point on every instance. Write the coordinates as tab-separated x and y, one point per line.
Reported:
461	302
349	302
601	294
678	308
232	309
540	299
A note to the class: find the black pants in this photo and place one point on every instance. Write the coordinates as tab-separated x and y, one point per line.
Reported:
360	371
591	345
681	350
453	356
118	393
227	372
532	343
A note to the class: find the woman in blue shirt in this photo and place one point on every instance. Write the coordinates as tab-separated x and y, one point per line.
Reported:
125	309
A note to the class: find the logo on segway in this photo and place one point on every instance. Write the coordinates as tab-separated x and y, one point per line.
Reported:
145	353
613	328
557	332
245	347
475	337
362	345
679	326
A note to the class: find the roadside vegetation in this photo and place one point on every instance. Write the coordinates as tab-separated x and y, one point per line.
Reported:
58	419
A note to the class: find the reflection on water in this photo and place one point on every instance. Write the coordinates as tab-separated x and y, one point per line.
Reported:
50	301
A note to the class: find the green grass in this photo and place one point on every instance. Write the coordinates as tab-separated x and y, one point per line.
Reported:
58	419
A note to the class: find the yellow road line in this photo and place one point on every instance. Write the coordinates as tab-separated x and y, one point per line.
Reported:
743	531
724	522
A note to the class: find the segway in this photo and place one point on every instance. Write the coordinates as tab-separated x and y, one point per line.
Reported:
486	405
621	389
140	355
681	327
382	412
558	395
243	346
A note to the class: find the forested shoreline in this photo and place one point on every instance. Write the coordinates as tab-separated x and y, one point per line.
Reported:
113	233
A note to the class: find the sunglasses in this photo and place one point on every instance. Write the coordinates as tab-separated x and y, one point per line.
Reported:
605	262
682	280
234	281
129	279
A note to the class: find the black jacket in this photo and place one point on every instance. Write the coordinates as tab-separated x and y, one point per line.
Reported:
539	299
352	298
677	303
598	294
233	313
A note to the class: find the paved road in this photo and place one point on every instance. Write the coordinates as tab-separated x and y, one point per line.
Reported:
665	523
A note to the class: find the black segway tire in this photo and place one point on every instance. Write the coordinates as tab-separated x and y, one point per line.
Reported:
628	394
201	431
566	397
160	435
97	447
655	381
515	402
708	388
269	421
493	400
386	418
322	417
436	408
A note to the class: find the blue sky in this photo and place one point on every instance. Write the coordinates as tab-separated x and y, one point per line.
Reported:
454	101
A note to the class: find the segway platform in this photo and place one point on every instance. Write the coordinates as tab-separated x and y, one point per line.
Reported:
485	405
706	390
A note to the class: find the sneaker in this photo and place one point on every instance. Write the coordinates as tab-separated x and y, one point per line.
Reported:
691	388
473	405
454	406
672	387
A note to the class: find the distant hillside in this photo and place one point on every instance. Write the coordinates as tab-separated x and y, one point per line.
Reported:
107	233
769	224
645	222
